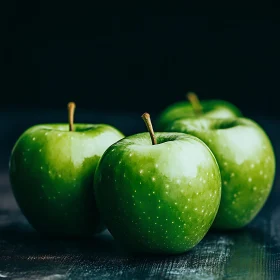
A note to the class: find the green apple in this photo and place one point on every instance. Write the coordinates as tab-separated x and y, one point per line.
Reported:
51	173
160	196
246	160
193	107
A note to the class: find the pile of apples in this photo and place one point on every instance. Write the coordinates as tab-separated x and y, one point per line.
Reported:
206	167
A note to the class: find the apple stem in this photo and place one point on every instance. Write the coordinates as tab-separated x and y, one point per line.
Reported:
147	120
71	109
194	100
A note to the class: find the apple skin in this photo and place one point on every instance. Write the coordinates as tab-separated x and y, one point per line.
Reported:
51	173
184	109
247	163
158	198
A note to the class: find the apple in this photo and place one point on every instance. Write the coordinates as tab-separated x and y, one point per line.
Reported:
51	173
246	160
158	196
193	107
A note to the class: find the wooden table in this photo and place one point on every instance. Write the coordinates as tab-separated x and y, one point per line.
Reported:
250	253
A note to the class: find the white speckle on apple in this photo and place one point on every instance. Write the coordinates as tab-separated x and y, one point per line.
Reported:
190	218
176	203
249	179
50	172
141	171
166	192
265	176
134	190
40	150
149	194
59	134
156	165
25	159
232	175
210	194
159	207
195	209
172	222
42	186
204	181
225	163
189	199
130	154
261	172
233	202
154	192
46	133
235	195
28	150
167	186
210	140
83	134
254	188
41	167
59	175
202	211
120	162
252	165
196	193
153	178
212	175
178	181
123	175
225	183
159	200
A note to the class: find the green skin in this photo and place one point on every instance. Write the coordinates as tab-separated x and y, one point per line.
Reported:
184	109
247	163
162	198
51	172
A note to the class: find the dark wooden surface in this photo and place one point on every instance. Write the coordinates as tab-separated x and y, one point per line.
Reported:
250	253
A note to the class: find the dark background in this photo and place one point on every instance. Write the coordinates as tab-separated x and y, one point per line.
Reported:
121	64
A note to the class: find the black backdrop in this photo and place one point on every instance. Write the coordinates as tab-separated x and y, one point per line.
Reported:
53	54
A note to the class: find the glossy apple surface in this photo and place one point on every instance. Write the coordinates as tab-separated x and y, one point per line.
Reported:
51	173
184	109
246	160
158	198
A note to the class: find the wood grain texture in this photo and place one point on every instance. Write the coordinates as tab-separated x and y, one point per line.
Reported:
250	253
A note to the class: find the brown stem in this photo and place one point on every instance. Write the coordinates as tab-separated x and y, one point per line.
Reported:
71	109
192	97
147	120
